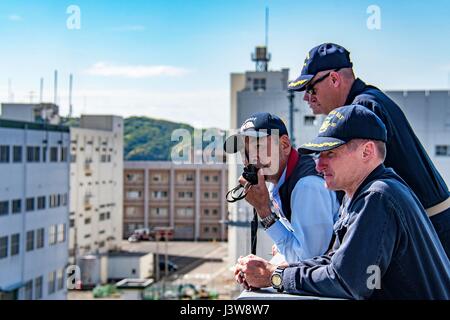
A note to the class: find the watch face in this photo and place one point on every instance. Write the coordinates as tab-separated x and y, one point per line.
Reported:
276	280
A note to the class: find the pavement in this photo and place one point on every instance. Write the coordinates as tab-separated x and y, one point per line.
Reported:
199	263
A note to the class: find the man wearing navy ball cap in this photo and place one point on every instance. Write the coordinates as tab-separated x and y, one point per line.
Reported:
329	82
385	246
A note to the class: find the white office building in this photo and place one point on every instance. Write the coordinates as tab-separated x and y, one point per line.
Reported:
96	185
34	208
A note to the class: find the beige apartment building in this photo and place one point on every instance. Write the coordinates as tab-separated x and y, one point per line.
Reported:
187	197
96	180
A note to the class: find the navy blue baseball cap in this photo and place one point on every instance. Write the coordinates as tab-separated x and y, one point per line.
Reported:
327	56
259	124
344	124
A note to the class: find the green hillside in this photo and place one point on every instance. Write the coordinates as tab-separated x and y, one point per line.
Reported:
147	138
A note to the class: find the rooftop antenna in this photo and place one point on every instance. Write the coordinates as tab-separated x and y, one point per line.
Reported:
267	28
70	94
261	56
31	96
10	92
55	88
41	90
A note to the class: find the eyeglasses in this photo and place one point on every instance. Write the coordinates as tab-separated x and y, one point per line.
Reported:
310	88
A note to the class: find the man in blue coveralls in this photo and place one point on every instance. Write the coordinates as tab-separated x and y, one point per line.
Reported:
385	245
329	82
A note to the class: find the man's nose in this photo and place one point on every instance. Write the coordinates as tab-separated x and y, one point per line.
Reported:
306	97
320	164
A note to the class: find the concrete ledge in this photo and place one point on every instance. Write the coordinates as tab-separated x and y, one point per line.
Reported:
272	294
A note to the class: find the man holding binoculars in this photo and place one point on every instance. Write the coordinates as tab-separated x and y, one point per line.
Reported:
296	210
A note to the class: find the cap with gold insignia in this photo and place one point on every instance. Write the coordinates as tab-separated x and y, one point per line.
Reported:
327	56
344	124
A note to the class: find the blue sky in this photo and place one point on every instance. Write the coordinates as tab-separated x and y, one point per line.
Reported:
172	59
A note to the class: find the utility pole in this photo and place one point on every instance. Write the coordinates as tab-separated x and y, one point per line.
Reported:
292	109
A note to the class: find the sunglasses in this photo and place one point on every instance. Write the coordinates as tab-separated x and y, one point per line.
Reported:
310	88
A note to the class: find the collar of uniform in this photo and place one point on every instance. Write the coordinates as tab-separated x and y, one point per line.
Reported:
274	188
372	176
357	87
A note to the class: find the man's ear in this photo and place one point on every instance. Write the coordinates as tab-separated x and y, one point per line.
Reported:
368	151
335	79
285	143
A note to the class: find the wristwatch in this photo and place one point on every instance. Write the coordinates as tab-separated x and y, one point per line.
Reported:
269	220
276	279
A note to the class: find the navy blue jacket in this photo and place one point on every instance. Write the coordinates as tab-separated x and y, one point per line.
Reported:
383	226
405	153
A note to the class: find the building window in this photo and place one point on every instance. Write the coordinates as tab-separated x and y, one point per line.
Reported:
4	208
185	194
61	233
64	154
40	234
215	195
17	154
17	206
44	154
206	178
206	195
87	221
56	200
108	215
216	178
189	177
33	154
64	199
259	84
159	194
54	154
206	212
60	278
51	282
185	212
443	150
52	235
38	288
41	203
102	215
15	244
72	223
29	290
30	204
156	177
30	240
3	247
309	120
215	212
4	154
159	212
133	195
134	177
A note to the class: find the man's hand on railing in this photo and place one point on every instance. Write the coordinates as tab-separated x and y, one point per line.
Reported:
254	272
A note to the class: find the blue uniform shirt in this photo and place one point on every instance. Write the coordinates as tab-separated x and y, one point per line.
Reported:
314	212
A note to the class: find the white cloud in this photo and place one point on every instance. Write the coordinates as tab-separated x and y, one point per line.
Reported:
131	28
134	71
14	17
